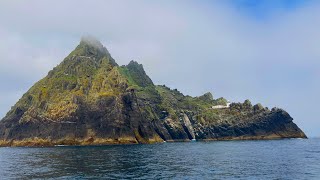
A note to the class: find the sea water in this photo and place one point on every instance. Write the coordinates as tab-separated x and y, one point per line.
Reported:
267	159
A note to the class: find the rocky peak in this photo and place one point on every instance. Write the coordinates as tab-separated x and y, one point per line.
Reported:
87	59
90	47
258	107
138	74
92	42
247	104
134	65
206	97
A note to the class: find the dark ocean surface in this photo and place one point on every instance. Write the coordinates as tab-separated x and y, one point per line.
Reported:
269	159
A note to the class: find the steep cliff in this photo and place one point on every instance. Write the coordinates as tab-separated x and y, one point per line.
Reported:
90	99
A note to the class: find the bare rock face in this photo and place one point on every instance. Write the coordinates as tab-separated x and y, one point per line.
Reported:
188	127
89	99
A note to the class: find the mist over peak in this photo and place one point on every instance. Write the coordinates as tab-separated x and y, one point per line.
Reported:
92	41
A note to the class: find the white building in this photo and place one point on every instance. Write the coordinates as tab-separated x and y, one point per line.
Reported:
221	106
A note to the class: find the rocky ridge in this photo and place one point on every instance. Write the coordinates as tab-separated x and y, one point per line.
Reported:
89	99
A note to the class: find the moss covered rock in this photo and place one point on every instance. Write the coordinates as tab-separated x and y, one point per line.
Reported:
89	99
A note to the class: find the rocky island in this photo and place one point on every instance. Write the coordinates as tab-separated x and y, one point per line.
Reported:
89	99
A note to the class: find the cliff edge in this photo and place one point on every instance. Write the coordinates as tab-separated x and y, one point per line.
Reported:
89	99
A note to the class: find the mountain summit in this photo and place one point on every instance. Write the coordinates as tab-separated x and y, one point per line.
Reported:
90	99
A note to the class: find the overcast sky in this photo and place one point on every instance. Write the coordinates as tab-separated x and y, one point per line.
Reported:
265	51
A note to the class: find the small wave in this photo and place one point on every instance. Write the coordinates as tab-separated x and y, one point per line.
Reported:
313	151
60	145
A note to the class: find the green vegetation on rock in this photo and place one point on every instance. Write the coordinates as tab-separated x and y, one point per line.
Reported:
89	99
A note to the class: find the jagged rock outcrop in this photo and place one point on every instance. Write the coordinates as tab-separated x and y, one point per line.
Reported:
90	99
